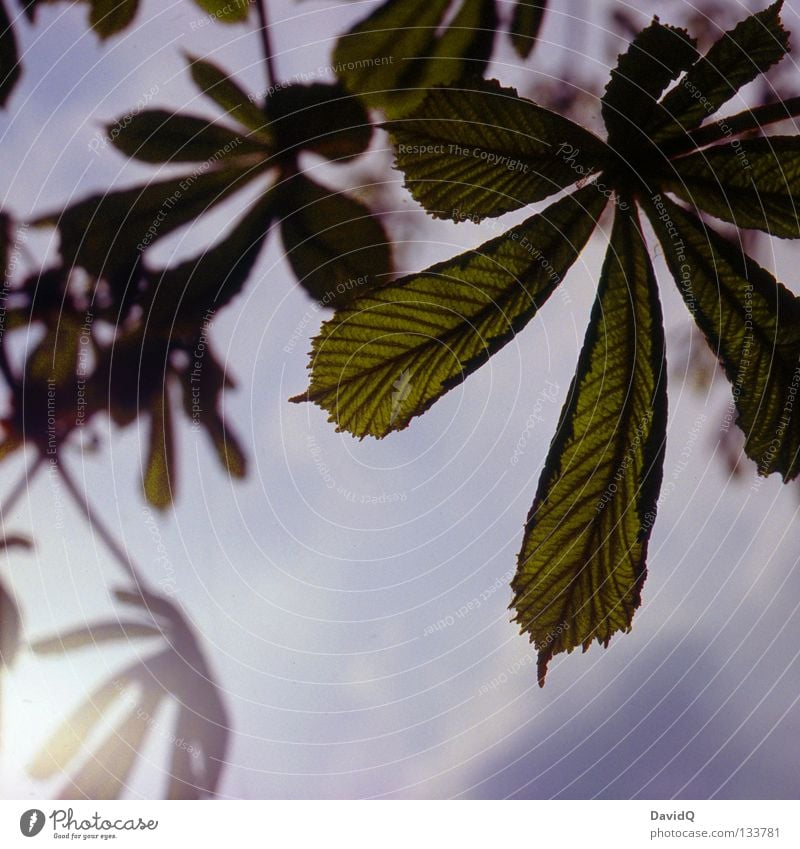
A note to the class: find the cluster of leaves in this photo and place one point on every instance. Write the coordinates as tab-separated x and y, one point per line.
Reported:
178	672
118	335
582	562
404	47
125	330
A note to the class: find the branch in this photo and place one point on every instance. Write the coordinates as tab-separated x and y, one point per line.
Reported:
20	487
82	501
266	43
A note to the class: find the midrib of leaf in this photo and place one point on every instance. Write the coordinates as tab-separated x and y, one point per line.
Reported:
580	573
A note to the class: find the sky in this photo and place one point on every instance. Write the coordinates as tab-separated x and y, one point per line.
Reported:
352	595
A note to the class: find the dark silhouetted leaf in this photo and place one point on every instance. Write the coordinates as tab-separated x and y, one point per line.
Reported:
335	246
739	56
653	60
582	562
752	324
90	636
9	57
227	94
525	25
394	55
226	11
105	234
203	384
108	17
182	295
483	151
391	353
753	185
159	136
321	118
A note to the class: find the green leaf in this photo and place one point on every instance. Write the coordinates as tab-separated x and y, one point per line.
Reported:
320	118
393	56
653	60
335	246
227	94
752	324
226	11
738	57
159	136
483	151
582	563
390	354
108	17
525	25
159	477
179	297
106	233
754	184
90	636
10	68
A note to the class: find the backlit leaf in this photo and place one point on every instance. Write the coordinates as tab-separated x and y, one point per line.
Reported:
525	25
755	184
582	563
394	351
483	151
653	60
394	55
156	135
751	322
737	58
335	246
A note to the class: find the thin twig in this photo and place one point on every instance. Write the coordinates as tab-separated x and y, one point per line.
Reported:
20	487
266	43
82	501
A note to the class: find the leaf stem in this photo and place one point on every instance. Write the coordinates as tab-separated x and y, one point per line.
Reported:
81	499
266	43
20	487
